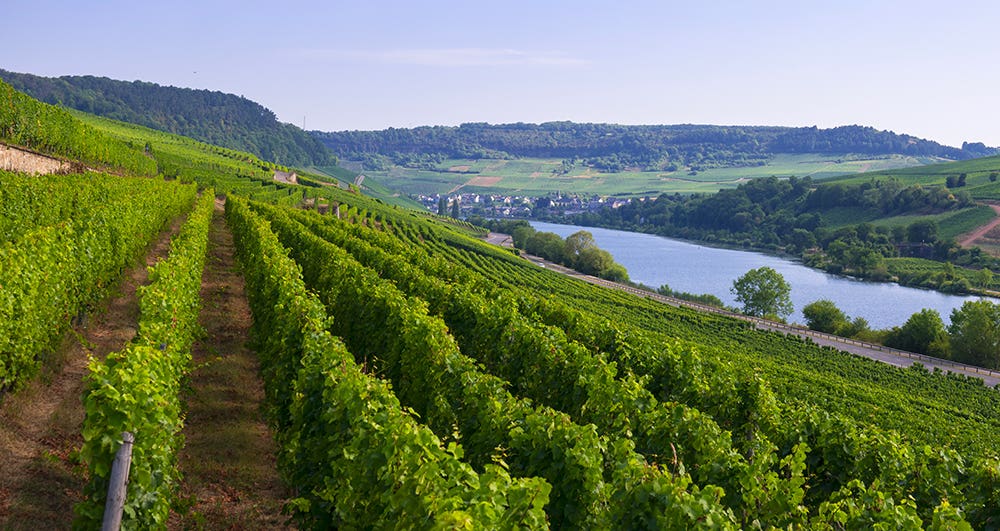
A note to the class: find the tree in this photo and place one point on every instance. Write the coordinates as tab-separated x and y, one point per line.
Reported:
548	245
924	231
824	316
923	332
975	334
593	261
616	273
456	211
443	206
576	243
521	234
763	293
984	277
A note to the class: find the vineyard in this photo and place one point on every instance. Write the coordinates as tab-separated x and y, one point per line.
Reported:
415	376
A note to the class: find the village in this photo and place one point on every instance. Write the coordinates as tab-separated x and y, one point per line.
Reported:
518	206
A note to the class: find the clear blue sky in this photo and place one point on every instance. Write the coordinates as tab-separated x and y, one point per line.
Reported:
927	68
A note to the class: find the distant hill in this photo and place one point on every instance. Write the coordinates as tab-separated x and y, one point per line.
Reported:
210	116
650	147
980	177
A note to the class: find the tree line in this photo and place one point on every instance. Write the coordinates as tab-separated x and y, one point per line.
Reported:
799	217
973	337
577	251
612	147
210	116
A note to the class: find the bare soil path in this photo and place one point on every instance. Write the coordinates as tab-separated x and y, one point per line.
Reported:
228	461
40	475
969	239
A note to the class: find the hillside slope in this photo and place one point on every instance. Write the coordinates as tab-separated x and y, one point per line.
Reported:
611	147
210	116
978	177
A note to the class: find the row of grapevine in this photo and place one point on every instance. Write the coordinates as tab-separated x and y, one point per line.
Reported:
52	272
357	458
138	389
862	460
926	408
27	122
842	452
441	385
31	201
542	365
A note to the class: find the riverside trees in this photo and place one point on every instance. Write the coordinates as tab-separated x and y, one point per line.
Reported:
763	293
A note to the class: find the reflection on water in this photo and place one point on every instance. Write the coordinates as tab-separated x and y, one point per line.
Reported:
655	260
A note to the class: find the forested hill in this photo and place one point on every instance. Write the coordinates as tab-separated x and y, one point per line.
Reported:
210	116
611	147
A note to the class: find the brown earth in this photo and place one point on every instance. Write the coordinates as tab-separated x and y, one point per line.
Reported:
969	239
483	180
40	473
228	460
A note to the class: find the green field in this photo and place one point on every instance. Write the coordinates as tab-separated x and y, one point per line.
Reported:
536	177
951	224
978	171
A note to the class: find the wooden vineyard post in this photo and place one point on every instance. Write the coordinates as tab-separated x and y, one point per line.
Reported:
117	486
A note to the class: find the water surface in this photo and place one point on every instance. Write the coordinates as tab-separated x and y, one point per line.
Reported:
684	266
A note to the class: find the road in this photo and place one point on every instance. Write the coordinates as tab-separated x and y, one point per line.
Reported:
899	358
970	239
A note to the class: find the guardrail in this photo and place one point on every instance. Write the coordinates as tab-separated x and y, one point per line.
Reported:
765	323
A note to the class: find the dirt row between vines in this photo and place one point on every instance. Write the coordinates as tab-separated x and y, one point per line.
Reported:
228	462
41	477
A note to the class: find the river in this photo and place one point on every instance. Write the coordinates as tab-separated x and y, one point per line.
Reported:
684	266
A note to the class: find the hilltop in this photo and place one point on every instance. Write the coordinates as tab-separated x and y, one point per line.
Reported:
612	147
210	116
584	160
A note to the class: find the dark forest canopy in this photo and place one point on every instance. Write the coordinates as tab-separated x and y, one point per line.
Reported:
614	147
210	116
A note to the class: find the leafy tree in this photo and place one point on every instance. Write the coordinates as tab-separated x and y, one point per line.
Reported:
576	243
548	245
456	209
975	334
763	293
616	273
521	234
984	277
824	316
923	332
923	231
593	261
443	206
858	328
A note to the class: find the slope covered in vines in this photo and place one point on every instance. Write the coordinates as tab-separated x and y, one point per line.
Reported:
791	416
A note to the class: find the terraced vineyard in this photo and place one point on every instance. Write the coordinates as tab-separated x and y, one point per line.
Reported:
418	377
